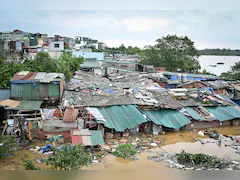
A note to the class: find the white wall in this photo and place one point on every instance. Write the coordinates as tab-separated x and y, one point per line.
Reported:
53	48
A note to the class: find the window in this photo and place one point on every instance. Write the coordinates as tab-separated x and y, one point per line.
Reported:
56	45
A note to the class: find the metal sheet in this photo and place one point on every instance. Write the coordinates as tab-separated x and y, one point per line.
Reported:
27	92
53	90
35	91
43	89
16	91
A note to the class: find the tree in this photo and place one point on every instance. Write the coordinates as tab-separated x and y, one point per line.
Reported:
122	48
173	53
69	158
42	63
67	64
234	74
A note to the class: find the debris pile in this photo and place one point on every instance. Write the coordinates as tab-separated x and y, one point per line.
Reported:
187	161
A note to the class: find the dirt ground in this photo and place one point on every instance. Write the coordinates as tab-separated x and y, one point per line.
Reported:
172	141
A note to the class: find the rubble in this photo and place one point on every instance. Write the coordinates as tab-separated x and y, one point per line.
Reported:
173	162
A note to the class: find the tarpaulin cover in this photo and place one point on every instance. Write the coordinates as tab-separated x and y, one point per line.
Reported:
95	112
168	118
48	113
121	117
224	113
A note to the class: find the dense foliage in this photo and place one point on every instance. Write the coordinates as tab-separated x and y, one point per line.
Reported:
66	64
124	50
126	151
173	53
234	73
201	160
69	158
220	52
8	145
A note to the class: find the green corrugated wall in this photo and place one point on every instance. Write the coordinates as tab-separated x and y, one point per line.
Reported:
16	91
53	90
27	91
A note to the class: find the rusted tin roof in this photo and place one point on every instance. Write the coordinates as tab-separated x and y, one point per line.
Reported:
20	76
70	115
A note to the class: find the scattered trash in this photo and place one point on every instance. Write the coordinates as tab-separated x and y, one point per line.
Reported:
38	161
154	144
201	133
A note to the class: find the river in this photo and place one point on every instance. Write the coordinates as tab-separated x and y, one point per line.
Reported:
206	61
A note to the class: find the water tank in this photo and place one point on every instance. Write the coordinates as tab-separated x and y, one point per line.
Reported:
184	78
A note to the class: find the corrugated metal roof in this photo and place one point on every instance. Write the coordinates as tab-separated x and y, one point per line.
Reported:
118	62
40	75
29	105
121	117
224	113
19	76
90	64
36	76
168	118
10	103
52	77
70	115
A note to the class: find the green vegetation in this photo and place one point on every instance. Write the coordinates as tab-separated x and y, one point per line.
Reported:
126	151
200	160
69	158
8	145
220	52
125	50
29	165
66	64
234	73
173	53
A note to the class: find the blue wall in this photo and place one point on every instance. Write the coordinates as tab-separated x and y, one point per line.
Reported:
97	55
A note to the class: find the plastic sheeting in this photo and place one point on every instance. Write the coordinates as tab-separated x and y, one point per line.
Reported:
95	112
121	117
48	114
168	118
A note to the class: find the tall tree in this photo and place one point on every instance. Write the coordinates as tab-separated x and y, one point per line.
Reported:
68	64
122	48
173	53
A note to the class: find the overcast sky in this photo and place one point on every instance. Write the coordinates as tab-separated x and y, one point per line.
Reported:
210	24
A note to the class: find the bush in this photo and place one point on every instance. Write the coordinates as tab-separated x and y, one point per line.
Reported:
126	151
8	144
69	158
29	165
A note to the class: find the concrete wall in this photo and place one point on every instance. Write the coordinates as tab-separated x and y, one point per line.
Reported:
53	47
205	124
97	55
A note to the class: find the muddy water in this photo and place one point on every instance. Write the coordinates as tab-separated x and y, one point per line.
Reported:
173	142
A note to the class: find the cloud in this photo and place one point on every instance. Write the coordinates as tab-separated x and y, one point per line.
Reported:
209	29
143	24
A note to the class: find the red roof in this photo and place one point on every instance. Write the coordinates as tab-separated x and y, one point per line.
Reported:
29	76
70	115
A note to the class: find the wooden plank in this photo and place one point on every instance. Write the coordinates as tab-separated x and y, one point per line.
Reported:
4	129
39	114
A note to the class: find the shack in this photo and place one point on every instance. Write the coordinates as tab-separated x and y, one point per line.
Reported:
35	86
